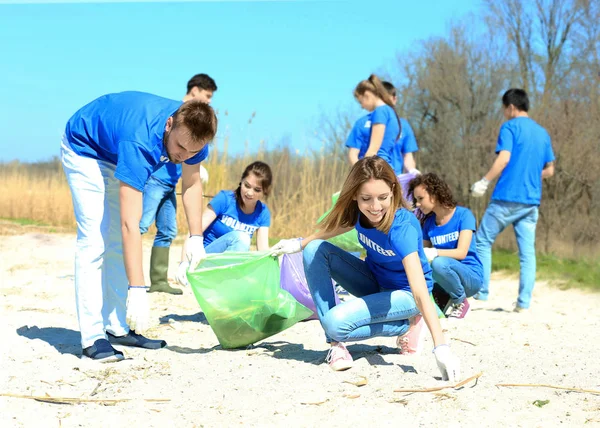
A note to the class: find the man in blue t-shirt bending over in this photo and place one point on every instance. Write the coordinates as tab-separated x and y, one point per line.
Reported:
160	202
110	148
524	158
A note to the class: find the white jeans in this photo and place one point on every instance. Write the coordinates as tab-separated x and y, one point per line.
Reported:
100	278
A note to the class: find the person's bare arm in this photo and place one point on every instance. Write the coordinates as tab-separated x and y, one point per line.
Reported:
192	197
353	155
460	252
321	234
548	170
262	238
498	166
131	213
376	140
409	162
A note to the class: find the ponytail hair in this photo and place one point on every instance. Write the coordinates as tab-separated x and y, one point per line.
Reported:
376	87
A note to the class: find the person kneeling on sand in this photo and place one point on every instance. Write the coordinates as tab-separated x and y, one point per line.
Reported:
392	284
110	148
449	242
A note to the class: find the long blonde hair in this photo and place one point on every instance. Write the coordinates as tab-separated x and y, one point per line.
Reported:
376	87
345	211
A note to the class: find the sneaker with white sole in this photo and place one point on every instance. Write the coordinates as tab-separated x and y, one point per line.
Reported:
102	352
339	358
411	342
457	310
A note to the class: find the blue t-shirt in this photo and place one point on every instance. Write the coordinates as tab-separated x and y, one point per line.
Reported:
126	130
530	149
445	237
385	252
169	174
406	144
230	217
360	135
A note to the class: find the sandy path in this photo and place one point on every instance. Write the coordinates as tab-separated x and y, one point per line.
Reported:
556	342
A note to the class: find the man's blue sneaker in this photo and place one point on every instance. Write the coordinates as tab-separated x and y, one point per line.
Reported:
137	340
102	351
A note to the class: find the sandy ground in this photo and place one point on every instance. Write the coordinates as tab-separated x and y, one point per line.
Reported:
283	381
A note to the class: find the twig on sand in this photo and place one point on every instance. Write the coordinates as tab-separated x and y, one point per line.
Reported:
73	400
540	385
439	388
463	341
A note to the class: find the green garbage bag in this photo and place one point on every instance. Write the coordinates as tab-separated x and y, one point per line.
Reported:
346	241
240	296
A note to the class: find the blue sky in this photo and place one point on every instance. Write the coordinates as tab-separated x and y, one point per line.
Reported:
292	63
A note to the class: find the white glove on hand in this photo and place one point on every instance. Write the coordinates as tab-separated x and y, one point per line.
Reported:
414	171
286	246
203	175
182	273
137	309
447	362
430	253
478	189
194	250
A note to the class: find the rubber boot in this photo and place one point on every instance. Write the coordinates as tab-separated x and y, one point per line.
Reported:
159	267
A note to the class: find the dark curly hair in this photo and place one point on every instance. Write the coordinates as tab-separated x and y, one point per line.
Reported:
435	186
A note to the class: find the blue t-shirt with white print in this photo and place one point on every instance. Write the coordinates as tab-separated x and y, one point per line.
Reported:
125	129
530	150
385	252
406	144
445	237
230	217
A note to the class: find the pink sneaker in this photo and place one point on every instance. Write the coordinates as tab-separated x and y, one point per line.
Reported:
411	342
339	358
458	310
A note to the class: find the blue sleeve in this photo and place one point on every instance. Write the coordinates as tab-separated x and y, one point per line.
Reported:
220	202
409	142
404	240
426	229
198	157
467	221
505	139
381	115
352	141
134	164
549	154
265	217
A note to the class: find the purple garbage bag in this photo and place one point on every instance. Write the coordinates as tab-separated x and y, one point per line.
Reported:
293	281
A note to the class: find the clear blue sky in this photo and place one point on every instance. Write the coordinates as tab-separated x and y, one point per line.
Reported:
290	62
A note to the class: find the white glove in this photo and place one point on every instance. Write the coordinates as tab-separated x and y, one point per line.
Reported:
478	189
137	308
430	253
414	171
203	175
447	362
286	246
182	273
194	250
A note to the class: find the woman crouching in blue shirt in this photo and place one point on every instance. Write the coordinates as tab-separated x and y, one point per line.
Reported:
393	282
449	242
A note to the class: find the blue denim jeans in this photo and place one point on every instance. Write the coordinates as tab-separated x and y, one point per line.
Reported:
232	241
160	204
497	217
376	311
457	279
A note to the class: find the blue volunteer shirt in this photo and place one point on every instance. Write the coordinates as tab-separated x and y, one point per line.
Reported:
406	144
385	252
530	149
126	130
445	237
360	135
168	174
230	217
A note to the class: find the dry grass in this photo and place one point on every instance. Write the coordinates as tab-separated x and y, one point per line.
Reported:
302	188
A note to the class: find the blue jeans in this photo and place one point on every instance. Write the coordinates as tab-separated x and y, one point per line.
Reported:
376	311
160	204
457	279
497	217
232	241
